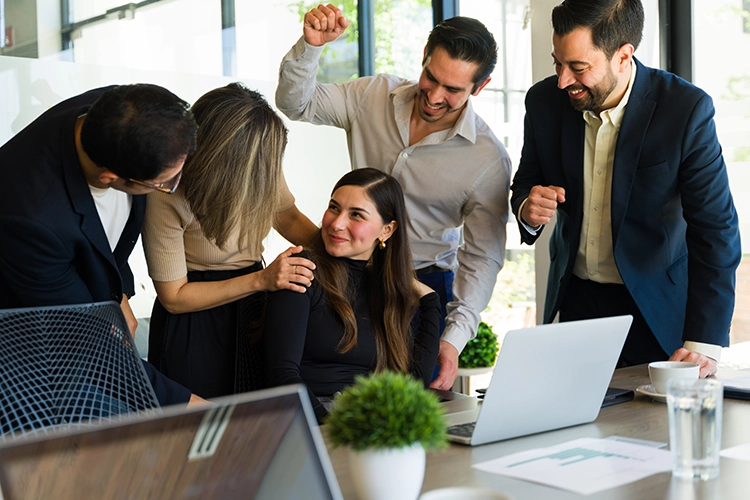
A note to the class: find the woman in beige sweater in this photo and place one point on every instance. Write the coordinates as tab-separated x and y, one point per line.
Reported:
203	243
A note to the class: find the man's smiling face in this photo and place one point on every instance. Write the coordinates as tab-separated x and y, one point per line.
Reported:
444	87
585	73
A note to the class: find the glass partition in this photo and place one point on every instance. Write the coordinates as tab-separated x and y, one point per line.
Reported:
501	105
401	29
178	44
721	38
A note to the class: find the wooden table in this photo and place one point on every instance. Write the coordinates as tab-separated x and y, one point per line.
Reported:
641	418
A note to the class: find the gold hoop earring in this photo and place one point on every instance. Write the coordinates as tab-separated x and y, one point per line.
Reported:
382	245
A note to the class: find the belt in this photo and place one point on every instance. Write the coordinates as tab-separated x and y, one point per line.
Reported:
432	270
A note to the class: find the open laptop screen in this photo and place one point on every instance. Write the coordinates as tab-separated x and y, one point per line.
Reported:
255	445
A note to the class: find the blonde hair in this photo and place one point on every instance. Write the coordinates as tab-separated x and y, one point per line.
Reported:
232	180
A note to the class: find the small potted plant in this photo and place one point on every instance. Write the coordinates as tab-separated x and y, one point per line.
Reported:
387	420
480	353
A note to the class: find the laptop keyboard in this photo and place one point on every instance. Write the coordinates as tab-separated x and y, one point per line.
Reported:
462	430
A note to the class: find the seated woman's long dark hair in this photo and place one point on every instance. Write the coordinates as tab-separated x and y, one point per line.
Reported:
393	298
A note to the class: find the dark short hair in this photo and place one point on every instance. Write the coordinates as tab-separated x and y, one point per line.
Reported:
465	39
138	131
613	23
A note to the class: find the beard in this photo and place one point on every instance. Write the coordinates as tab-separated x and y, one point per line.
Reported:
595	96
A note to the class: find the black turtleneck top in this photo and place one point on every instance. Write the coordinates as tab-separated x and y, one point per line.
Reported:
302	332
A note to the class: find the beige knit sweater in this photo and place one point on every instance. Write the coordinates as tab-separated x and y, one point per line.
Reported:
174	243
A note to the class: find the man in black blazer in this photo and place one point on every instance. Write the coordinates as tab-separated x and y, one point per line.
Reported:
628	158
72	188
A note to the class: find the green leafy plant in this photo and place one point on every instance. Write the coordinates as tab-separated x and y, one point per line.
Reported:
386	410
481	351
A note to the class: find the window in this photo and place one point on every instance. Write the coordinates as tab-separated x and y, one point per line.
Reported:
501	105
191	46
720	41
178	36
401	29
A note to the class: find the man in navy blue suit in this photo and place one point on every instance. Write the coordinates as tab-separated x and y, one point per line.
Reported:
72	188
628	158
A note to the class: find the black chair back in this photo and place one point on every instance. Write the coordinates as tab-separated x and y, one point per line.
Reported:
68	366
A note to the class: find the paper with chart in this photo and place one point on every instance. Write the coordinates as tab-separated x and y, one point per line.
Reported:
740	452
585	466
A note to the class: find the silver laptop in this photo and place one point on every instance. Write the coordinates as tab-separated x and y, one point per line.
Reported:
261	445
546	377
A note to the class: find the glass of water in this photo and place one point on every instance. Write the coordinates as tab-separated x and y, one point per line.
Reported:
695	410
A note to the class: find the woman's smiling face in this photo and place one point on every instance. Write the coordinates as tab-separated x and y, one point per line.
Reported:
352	226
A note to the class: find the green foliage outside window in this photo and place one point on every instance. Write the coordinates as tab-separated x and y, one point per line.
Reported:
391	24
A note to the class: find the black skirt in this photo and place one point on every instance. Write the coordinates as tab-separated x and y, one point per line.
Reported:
214	352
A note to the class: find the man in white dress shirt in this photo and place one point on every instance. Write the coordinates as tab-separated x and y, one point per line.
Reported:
454	172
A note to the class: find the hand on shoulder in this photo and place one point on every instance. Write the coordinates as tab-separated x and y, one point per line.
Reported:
289	271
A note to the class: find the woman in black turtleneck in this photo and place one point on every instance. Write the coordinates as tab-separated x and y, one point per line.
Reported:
356	317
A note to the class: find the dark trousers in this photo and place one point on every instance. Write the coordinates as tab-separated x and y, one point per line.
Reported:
585	299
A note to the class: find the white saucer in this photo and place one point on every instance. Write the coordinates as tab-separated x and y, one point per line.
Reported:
650	391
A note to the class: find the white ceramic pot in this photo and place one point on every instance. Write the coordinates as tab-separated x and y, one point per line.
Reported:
388	474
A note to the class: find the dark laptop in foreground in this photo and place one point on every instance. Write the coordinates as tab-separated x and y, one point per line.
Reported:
546	377
261	445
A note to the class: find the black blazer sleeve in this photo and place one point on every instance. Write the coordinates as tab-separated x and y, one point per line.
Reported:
168	392
38	266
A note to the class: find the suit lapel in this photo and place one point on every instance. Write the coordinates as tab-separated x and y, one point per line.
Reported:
80	197
132	229
635	122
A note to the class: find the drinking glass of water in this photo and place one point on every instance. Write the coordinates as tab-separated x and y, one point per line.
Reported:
695	409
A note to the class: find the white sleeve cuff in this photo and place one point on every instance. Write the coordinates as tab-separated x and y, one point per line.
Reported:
455	337
306	51
710	350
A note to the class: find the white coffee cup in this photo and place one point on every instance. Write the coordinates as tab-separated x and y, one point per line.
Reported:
663	371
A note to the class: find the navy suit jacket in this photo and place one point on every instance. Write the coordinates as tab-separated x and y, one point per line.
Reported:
53	248
674	226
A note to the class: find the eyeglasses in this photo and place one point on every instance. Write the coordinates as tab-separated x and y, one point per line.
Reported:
168	187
